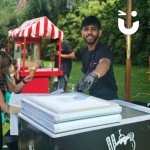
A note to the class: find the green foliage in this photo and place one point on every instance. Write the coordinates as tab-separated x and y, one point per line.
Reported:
47	49
68	15
7	19
107	12
34	9
143	58
49	8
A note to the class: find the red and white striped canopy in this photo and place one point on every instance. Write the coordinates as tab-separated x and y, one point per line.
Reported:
38	27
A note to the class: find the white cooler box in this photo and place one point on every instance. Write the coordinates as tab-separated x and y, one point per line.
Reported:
69	111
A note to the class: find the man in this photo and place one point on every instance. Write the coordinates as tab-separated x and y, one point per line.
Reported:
67	54
96	63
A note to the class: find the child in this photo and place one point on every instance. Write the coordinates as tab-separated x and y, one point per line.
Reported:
5	63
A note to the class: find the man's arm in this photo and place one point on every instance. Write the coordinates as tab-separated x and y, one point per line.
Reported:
102	67
87	81
71	55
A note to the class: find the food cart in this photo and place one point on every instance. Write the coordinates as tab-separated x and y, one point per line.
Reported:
65	128
27	40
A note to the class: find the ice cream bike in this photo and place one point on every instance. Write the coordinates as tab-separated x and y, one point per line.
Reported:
27	40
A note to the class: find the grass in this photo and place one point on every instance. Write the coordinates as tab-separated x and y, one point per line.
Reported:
139	89
5	127
140	85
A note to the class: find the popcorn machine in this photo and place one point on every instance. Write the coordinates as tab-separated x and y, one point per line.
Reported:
27	40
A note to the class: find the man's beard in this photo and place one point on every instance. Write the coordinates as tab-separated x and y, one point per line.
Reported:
91	42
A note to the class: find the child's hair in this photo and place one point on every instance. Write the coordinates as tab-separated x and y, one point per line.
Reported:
2	46
5	61
14	61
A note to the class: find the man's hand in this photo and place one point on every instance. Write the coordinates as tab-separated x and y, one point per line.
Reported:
86	82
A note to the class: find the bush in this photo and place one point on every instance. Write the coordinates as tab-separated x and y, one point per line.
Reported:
143	58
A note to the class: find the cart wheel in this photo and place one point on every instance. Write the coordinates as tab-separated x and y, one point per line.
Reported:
60	84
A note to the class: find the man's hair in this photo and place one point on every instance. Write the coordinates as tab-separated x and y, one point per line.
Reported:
54	40
91	20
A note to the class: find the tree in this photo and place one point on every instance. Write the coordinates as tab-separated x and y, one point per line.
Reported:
7	19
68	14
50	8
107	12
